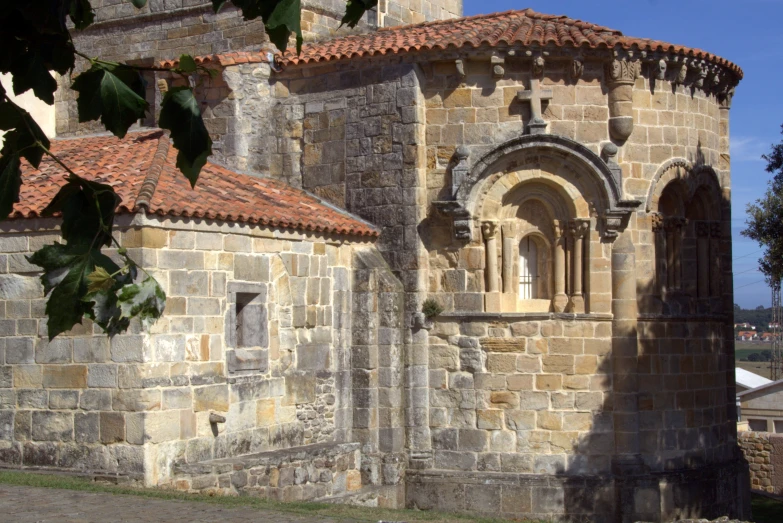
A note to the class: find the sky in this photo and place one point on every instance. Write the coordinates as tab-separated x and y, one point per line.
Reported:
748	34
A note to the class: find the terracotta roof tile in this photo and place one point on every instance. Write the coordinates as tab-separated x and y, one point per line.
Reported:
525	27
142	169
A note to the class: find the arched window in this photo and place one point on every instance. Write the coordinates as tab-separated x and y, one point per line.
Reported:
528	269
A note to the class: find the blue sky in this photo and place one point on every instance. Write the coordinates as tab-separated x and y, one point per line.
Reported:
748	34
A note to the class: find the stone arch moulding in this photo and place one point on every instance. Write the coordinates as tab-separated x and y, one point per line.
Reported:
468	181
692	176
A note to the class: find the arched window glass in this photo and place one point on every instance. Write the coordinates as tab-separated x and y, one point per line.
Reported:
528	269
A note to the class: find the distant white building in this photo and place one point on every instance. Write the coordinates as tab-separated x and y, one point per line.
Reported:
747	380
760	406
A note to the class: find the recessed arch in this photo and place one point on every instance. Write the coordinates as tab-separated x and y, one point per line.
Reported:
531	152
691	178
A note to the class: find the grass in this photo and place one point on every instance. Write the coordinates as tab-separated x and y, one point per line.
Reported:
339	512
766	510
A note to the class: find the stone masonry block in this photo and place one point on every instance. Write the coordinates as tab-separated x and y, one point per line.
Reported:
213	397
52	426
65	376
112	426
59	350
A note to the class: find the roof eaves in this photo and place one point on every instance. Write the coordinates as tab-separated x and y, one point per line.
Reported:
760	389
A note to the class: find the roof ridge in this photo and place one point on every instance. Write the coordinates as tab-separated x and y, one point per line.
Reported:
150	182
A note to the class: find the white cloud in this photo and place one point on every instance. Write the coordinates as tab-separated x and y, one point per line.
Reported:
748	149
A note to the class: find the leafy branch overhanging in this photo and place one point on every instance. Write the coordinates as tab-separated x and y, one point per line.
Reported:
80	280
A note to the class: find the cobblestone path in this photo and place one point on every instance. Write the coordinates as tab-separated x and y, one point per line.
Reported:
43	505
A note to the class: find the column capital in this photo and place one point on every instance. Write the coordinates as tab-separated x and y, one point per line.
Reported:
509	229
489	230
672	223
715	229
702	229
578	227
657	220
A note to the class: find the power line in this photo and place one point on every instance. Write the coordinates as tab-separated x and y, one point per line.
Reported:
749	284
749	270
746	255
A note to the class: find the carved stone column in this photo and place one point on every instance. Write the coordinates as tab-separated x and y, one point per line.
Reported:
510	257
489	231
715	258
626	462
578	230
620	78
702	259
673	228
659	235
560	300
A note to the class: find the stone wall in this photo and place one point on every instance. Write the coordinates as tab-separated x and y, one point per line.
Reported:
142	401
764	454
683	414
524	395
307	473
402	12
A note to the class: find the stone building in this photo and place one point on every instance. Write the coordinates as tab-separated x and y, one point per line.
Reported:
560	189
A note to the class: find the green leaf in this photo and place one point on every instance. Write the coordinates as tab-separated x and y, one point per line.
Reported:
187	64
285	19
113	93
35	75
138	4
65	278
181	115
355	9
99	280
88	211
22	140
82	14
10	182
145	300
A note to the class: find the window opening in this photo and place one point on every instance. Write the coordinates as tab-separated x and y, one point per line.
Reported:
528	269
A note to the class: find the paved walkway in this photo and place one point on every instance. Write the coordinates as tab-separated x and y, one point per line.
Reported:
43	505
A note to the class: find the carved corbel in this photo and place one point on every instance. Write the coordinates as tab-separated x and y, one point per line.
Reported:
577	68
609	156
621	75
682	72
538	66
701	75
460	65
660	69
498	63
460	171
460	218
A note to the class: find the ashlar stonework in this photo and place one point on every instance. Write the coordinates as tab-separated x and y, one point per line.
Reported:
562	190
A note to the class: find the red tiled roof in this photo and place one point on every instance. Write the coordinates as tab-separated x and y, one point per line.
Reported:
142	169
525	27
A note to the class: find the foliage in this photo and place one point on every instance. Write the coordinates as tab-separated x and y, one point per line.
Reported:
766	217
431	308
759	356
80	280
759	318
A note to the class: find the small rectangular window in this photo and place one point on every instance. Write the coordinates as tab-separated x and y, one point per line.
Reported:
778	426
251	328
247	329
758	425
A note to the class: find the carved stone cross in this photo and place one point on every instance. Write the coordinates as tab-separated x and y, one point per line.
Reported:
535	95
